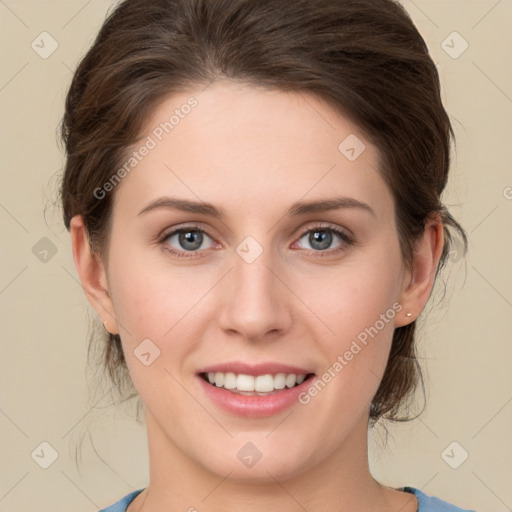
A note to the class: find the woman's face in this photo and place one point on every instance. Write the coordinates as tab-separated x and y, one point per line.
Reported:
269	287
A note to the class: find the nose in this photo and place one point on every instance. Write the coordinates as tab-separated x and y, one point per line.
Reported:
256	302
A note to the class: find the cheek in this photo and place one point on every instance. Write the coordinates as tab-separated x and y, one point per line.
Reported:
353	297
358	305
162	303
150	295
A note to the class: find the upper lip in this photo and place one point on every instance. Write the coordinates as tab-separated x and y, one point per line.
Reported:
254	369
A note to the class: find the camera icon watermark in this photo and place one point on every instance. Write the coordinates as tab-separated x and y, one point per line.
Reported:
351	147
44	45
249	249
454	45
146	352
454	455
249	455
44	250
44	455
456	251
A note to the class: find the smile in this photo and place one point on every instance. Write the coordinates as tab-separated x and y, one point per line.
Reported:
260	385
253	396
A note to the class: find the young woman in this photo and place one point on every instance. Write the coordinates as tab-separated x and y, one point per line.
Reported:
253	191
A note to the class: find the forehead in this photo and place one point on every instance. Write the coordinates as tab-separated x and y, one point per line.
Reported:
249	146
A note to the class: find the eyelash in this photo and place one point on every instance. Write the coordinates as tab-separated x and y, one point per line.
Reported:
346	239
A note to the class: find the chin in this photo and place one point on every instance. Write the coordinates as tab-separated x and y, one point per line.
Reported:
250	465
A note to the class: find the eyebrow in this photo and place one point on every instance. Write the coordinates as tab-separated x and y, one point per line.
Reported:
297	209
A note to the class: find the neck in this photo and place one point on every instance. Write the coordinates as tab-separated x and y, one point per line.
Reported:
341	483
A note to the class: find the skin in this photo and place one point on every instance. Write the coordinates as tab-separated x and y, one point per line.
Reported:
254	152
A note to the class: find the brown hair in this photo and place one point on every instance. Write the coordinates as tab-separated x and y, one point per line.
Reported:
364	57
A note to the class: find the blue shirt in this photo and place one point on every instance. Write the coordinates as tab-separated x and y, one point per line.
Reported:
426	503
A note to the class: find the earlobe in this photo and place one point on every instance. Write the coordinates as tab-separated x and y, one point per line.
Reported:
418	286
92	274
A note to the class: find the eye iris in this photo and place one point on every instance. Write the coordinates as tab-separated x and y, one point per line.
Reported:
190	237
324	237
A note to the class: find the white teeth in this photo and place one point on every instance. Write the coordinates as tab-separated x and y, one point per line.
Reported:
291	380
260	384
264	383
219	379
244	382
229	380
280	381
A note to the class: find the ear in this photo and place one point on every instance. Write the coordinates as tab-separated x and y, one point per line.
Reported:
92	274
417	284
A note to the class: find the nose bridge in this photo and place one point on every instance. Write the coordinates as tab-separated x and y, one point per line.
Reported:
254	278
256	302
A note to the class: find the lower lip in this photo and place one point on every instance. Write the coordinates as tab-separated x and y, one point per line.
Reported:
254	406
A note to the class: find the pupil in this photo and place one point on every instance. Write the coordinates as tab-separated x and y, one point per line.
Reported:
324	237
187	240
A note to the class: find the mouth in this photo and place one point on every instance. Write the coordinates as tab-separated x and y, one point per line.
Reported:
255	385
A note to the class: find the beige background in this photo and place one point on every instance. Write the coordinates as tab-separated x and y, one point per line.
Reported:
466	344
